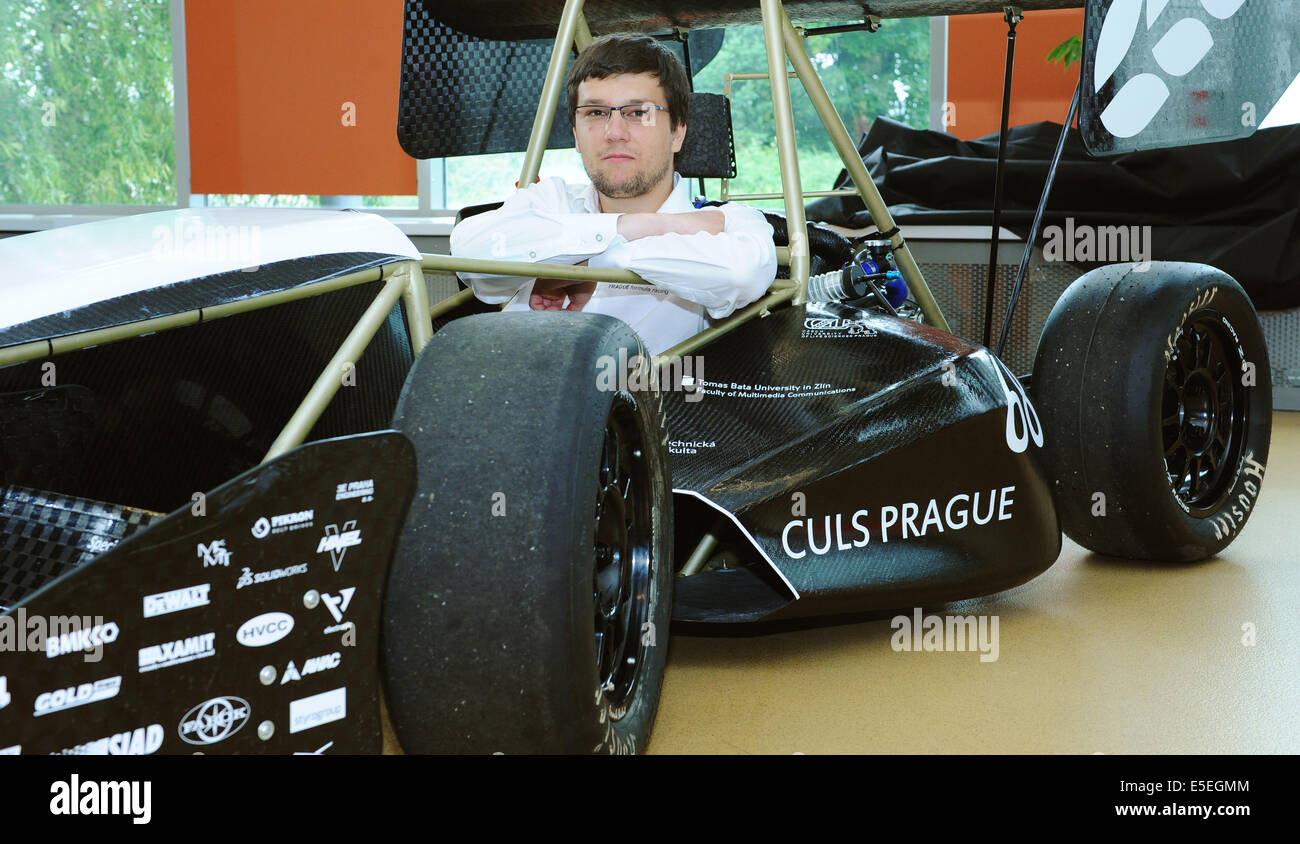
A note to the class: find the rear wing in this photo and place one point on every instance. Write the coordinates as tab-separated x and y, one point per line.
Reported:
1167	73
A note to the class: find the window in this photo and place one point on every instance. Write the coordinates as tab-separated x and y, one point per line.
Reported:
88	113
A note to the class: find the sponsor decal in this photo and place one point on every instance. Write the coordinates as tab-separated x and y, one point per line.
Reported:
733	389
80	641
337	606
125	797
141	741
265	629
338	542
214	554
100	545
320	751
1202	300
316	710
1233	514
180	651
283	523
61	699
689	446
1022	419
906	521
214	720
4	692
185	598
365	490
56	635
835	327
11	750
249	577
315	665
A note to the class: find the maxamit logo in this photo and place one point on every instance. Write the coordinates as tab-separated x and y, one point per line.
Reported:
264	629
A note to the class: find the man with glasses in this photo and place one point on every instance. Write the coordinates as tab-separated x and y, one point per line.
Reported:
629	99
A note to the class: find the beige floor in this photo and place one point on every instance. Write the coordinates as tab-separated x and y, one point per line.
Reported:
1095	655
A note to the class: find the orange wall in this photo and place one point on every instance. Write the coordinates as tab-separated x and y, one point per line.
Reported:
977	46
267	83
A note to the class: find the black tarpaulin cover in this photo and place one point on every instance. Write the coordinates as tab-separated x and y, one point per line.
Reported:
1233	205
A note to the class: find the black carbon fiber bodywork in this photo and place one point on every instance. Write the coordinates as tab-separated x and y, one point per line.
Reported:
193	294
250	628
539	18
869	460
463	94
148	421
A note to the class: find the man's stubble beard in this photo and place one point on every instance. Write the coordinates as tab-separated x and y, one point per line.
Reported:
638	185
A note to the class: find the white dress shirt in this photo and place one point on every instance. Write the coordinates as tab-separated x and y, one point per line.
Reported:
691	274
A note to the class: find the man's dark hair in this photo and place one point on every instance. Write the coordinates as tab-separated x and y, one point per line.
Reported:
612	55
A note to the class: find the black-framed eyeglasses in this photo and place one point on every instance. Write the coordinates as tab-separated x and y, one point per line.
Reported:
635	113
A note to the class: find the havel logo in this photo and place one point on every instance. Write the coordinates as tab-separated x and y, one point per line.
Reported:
337	543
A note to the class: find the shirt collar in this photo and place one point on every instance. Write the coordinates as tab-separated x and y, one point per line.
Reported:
678	201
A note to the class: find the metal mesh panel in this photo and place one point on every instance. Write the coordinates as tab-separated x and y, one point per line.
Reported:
959	290
1282	333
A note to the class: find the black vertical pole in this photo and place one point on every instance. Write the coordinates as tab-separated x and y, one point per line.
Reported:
1013	16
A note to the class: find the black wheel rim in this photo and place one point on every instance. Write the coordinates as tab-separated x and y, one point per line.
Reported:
1203	413
623	580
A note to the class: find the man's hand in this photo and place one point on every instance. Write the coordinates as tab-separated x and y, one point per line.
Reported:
548	293
633	226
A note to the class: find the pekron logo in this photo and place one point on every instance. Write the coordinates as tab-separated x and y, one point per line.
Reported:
1177	53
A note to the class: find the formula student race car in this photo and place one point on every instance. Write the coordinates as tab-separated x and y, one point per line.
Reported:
249	494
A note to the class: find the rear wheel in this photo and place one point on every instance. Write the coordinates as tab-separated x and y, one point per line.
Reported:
528	604
1155	398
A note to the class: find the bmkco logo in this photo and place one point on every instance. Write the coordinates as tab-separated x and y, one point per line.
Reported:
264	629
338	543
213	720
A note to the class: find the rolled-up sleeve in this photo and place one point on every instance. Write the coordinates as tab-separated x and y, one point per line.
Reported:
534	225
722	272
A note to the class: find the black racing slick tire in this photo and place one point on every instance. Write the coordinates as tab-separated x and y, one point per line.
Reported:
528	604
1154	394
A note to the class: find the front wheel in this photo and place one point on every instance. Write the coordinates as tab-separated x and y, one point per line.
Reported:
1154	392
528	605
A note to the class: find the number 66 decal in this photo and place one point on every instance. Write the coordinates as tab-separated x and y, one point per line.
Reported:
1022	419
